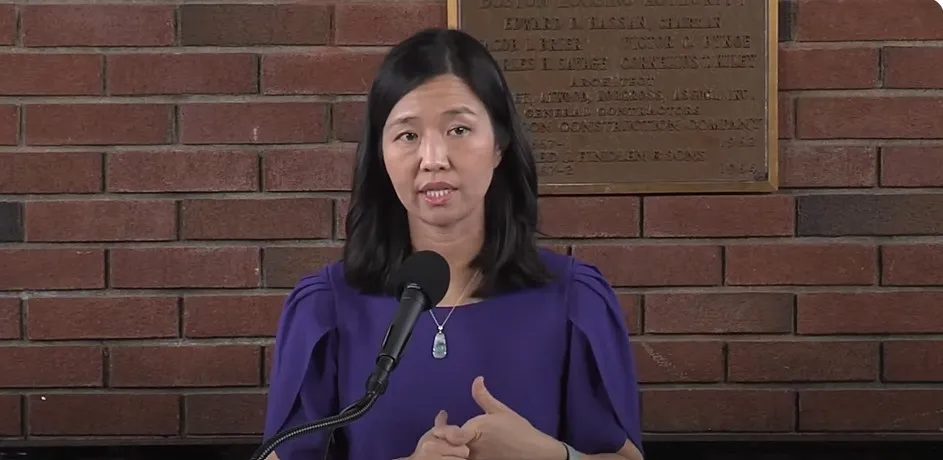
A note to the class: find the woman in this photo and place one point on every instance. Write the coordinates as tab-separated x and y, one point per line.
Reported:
526	357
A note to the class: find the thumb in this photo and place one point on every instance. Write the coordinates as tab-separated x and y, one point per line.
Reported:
441	419
485	400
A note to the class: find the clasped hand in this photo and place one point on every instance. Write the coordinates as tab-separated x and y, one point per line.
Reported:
499	433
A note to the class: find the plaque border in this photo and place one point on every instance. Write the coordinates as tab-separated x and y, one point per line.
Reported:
770	184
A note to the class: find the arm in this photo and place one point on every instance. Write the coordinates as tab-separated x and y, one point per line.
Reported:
627	452
556	451
303	379
602	407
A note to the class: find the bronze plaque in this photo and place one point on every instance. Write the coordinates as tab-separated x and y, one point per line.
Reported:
626	96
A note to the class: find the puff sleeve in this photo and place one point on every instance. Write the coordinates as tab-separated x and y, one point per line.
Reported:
602	394
303	384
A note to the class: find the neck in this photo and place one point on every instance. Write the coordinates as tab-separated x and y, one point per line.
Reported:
458	244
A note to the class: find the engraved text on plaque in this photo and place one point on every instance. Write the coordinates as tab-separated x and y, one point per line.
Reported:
639	95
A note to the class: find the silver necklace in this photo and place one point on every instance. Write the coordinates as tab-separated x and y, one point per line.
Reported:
440	347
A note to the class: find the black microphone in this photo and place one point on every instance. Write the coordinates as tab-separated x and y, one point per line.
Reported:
421	283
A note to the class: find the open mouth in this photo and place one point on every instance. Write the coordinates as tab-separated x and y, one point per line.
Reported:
437	197
437	193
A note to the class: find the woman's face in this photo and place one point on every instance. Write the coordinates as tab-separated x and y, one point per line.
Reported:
440	152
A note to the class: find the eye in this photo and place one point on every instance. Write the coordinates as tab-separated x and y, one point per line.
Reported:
407	136
460	130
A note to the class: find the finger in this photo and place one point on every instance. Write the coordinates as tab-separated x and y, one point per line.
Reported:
485	400
441	419
473	427
455	435
439	448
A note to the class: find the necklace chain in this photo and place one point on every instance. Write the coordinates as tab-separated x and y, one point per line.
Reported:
461	298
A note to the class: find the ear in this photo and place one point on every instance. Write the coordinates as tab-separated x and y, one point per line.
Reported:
498	155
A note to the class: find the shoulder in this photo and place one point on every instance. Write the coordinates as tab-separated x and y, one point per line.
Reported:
575	276
587	294
314	296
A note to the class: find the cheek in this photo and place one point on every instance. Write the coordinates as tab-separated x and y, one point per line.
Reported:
399	173
478	173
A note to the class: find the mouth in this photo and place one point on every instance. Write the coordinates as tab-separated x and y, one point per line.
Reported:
437	194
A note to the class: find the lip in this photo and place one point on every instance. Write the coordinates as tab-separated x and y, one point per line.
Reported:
437	185
431	198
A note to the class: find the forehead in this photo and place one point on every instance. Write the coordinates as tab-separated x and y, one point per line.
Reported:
445	95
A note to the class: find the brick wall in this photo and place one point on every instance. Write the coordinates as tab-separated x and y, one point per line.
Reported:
168	172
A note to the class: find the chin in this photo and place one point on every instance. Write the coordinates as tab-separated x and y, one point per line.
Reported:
440	217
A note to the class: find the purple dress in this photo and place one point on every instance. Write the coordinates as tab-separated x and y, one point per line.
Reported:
558	355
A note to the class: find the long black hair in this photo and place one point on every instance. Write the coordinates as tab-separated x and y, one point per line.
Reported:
377	229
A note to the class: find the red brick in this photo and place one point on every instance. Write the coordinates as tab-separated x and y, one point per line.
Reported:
911	166
231	316
7	24
52	268
98	25
9	125
786	105
104	414
719	216
828	68
677	362
869	313
832	166
796	361
655	264
837	20
317	169
256	219
801	264
253	123
193	73
188	171
590	217
67	172
100	220
182	267
348	119
716	410
384	23
185	366
871	410
911	67
913	117
50	74
269	358
225	414
10	413
341	207
95	318
98	124
867	214
631	306
9	318
284	266
251	25
912	264
352	71
51	366
913	361
718	313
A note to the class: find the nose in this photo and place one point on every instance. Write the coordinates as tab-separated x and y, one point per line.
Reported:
434	155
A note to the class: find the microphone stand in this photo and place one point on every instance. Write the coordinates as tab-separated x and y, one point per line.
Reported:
376	386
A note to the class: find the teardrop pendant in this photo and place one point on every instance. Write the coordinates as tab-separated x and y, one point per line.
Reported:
439	347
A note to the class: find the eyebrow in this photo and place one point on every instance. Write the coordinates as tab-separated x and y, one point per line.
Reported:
460	110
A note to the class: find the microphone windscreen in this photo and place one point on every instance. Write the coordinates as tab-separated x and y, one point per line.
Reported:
427	269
